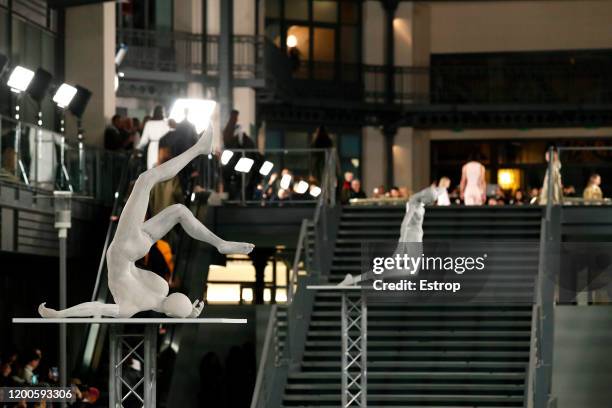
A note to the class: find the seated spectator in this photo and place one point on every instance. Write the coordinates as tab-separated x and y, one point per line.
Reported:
378	192
569	191
405	192
518	198
356	191
492	201
394	192
5	375
592	192
345	192
534	194
443	184
26	374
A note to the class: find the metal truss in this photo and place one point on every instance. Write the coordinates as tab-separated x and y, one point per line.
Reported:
354	349
132	371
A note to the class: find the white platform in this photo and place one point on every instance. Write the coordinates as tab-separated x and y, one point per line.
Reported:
98	320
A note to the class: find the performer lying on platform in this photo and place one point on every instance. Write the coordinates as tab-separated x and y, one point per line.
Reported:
135	290
411	233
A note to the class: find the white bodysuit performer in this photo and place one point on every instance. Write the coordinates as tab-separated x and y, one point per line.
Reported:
135	290
411	233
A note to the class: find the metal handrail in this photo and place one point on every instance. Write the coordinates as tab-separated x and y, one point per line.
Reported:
258	391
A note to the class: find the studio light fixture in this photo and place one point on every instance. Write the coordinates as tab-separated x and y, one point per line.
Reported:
315	191
20	79
226	156
285	181
79	101
198	112
301	187
64	95
266	168
244	165
38	87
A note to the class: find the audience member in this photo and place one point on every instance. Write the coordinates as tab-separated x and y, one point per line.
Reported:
26	375
518	198
394	192
378	192
356	191
114	136
592	192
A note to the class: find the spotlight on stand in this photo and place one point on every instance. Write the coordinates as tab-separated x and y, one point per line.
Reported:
226	156
244	165
301	187
79	102
39	85
20	79
266	168
315	191
64	95
198	112
285	181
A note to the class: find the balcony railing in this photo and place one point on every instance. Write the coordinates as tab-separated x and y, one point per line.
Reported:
257	57
188	53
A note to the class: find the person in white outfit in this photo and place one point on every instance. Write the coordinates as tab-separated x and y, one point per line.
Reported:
136	290
443	185
154	130
411	233
473	185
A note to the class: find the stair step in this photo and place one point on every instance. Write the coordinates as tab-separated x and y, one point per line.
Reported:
423	354
435	375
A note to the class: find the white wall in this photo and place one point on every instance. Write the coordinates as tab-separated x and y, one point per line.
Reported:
494	26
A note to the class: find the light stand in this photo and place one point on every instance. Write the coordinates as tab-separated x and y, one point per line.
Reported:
63	213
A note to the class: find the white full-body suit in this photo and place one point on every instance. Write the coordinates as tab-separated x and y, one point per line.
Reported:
135	290
411	232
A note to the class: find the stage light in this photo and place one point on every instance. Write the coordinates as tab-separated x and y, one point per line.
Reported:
301	187
315	191
285	181
244	165
20	79
64	94
39	85
198	111
79	101
292	41
226	156
266	168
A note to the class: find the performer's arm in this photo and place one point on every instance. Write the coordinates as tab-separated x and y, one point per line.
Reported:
87	309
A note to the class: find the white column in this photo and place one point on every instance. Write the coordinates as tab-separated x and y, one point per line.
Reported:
90	62
244	102
372	170
402	158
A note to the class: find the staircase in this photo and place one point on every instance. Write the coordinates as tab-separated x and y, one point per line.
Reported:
426	355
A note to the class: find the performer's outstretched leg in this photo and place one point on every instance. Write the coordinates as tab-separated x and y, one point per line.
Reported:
158	226
135	209
87	309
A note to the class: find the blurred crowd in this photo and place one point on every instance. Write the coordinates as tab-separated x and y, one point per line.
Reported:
30	369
